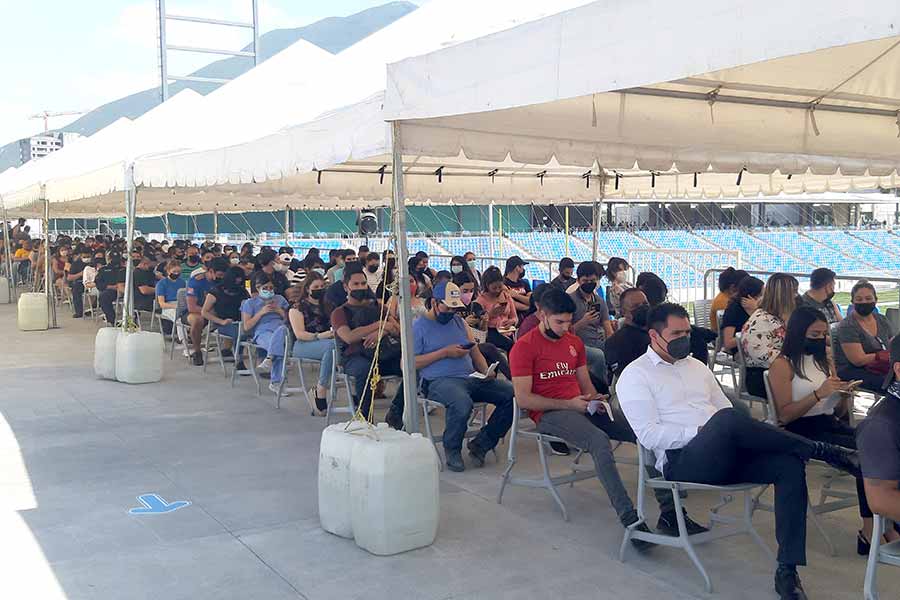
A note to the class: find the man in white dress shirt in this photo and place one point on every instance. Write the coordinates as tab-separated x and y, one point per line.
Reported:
678	411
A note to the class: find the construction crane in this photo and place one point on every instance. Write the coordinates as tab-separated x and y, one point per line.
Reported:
45	115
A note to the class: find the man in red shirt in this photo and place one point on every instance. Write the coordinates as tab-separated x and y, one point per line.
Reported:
551	381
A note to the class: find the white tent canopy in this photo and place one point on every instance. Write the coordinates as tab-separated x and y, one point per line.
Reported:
812	91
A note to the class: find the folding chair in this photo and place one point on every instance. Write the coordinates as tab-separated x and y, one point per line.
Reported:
743	394
731	525
721	358
476	421
91	302
213	335
338	373
845	498
887	554
546	481
249	364
702	309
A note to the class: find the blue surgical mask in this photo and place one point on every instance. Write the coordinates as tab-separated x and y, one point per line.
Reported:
266	294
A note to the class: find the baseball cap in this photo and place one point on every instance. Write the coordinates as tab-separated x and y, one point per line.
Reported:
895	358
448	293
514	261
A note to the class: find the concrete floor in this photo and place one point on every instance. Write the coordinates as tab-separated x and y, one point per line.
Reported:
76	452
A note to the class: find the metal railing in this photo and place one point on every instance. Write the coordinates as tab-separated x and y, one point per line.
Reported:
843	282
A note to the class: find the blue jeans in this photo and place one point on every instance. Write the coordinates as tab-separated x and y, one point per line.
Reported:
272	343
458	394
596	363
230	331
321	350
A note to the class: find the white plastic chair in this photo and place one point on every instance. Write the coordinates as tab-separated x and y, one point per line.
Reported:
845	498
702	310
249	364
885	554
723	359
729	525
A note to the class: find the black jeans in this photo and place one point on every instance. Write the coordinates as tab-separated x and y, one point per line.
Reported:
830	429
107	300
358	366
492	354
734	448
77	297
498	339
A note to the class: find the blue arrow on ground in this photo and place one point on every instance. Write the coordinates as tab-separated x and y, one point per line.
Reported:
153	504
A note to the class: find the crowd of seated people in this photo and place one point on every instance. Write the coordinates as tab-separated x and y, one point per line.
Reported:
558	348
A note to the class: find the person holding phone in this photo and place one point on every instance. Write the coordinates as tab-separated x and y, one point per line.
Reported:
446	357
500	308
810	398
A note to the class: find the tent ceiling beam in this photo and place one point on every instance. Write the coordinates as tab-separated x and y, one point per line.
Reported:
767	102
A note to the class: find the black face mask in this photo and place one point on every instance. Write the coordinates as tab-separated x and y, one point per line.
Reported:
174	276
317	294
639	315
207	264
864	309
829	297
814	347
588	287
372	268
359	294
550	333
444	317
679	347
193	260
135	261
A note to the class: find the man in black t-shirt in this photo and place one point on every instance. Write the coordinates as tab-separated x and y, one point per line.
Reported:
144	281
111	283
631	340
878	444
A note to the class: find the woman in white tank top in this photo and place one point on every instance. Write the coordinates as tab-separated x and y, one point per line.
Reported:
810	399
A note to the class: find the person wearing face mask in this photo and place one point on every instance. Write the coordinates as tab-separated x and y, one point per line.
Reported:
809	398
862	339
469	257
198	287
144	282
356	324
729	279
205	259
416	303
264	318
266	262
74	276
311	325
167	294
534	318
565	279
336	273
459	265
680	413
820	294
110	282
191	262
518	286
372	271
418	270
495	302
446	357
592	322
631	340
222	305
617	274
552	382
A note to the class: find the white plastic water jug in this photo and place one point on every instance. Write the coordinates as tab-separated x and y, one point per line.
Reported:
139	357
394	493
335	449
4	290
33	312
105	352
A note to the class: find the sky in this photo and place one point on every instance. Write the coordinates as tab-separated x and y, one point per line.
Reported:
74	55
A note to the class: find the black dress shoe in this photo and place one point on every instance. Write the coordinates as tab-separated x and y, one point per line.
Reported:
839	458
787	584
455	461
476	453
641	546
668	524
560	449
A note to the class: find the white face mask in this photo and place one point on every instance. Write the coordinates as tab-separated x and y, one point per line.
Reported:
620	276
471	264
281	268
456	269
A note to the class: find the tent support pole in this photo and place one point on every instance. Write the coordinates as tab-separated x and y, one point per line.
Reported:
287	223
596	249
567	231
407	358
130	205
215	225
490	229
48	272
9	264
168	231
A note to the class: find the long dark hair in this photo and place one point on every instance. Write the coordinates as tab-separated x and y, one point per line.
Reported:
795	338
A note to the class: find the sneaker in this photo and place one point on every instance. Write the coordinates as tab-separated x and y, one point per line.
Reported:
668	524
265	365
394	419
455	461
839	458
76	316
273	387
476	453
227	353
560	449
311	400
787	584
186	352
640	545
198	359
